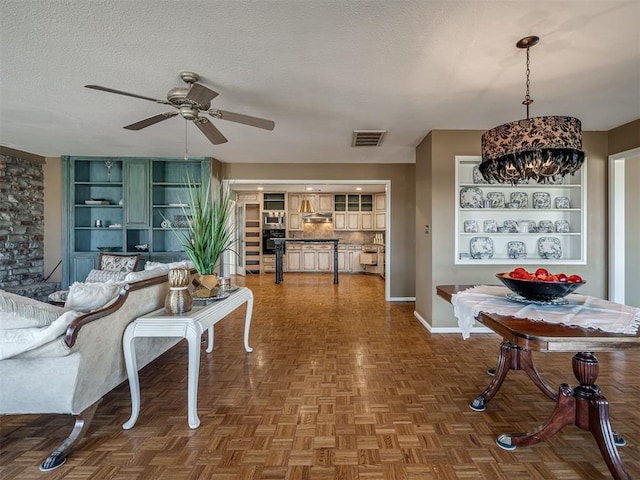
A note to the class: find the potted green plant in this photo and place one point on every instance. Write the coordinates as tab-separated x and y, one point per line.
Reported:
207	231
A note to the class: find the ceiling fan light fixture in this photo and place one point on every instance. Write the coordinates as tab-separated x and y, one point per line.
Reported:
542	149
190	102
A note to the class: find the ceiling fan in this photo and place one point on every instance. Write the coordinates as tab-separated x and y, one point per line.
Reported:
190	102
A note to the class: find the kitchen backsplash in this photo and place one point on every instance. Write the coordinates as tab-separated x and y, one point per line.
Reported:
325	230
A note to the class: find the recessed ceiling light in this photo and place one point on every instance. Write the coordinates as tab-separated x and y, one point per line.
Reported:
358	189
260	188
309	189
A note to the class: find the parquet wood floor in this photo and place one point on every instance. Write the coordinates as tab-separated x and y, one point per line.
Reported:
341	385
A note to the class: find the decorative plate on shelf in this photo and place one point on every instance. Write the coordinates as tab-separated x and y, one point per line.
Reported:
545	226
512	225
477	176
516	249
549	247
562	226
470	197
470	226
541	200
481	247
519	200
562	202
490	226
496	199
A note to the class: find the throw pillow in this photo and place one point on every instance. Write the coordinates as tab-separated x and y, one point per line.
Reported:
105	276
120	263
84	297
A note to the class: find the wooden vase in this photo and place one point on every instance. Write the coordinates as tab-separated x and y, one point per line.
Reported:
179	299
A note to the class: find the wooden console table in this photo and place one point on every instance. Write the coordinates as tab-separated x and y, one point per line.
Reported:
584	405
188	325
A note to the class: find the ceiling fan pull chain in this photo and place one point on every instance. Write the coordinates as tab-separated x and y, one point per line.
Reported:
186	148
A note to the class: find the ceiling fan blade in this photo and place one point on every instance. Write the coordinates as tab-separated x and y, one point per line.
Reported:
245	119
120	92
150	121
210	131
201	95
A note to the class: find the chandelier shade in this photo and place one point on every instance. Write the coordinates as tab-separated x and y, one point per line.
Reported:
542	149
539	149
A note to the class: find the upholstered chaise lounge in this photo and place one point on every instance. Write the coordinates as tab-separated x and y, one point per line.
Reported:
72	373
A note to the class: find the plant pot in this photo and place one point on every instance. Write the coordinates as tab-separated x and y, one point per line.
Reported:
206	285
179	299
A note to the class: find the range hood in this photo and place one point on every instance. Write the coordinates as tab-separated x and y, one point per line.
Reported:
317	217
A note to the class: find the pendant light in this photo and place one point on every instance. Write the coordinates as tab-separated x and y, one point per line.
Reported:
542	149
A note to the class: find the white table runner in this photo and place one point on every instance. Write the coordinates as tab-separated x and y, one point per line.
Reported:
582	311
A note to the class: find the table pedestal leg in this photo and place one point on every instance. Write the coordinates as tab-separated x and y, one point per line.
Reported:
511	358
279	261
583	407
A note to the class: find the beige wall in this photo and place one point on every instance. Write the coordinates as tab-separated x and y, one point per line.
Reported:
424	218
52	170
632	230
402	268
436	159
625	137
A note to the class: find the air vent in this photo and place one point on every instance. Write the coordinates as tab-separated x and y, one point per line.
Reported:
367	138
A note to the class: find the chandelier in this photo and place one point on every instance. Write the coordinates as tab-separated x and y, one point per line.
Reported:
542	149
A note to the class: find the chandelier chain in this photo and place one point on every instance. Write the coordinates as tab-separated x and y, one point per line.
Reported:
527	98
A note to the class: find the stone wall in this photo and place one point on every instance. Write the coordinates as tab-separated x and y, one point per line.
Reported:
22	226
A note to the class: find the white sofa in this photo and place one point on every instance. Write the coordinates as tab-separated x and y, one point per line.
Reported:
71	374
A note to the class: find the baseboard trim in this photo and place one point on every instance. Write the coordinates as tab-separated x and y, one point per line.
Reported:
435	330
402	299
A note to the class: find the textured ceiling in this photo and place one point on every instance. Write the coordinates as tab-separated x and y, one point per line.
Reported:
318	68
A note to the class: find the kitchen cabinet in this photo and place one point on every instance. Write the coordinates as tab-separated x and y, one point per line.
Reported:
294	200
366	221
272	201
324	258
380	212
294	217
353	221
353	202
294	221
349	258
372	259
293	257
320	202
325	202
309	258
527	223
268	263
131	197
252	237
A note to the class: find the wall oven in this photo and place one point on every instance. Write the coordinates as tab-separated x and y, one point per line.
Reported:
268	245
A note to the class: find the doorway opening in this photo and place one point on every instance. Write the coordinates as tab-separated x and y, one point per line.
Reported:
624	227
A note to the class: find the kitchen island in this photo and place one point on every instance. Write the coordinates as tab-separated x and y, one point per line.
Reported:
280	243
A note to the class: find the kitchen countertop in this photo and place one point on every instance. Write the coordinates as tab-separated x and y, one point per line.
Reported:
307	240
